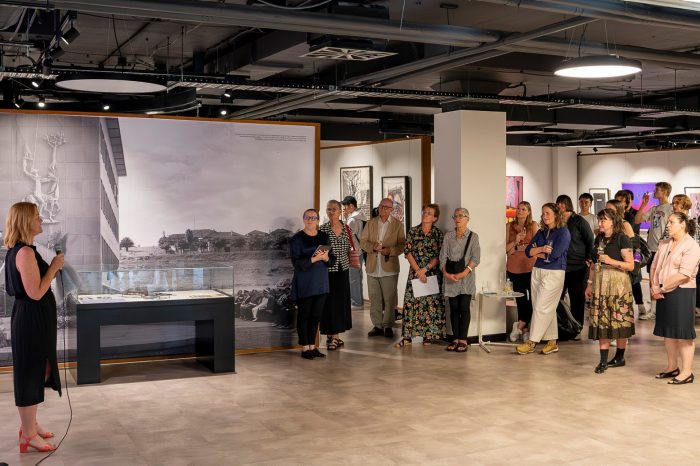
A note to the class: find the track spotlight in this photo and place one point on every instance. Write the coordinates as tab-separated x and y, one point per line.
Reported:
223	112
18	102
36	83
228	93
42	102
227	96
56	52
46	66
105	106
70	35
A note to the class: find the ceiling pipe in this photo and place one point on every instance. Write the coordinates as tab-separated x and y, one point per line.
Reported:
240	15
617	11
461	57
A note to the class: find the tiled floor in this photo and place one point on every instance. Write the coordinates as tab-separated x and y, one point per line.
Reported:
369	403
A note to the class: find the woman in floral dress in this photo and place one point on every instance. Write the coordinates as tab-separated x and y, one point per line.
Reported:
424	316
610	290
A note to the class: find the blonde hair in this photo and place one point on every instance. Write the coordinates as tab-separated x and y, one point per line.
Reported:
18	225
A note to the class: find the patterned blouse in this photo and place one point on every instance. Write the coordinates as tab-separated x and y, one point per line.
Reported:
423	248
340	245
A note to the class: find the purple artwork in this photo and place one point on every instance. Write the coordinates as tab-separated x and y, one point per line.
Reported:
639	189
694	195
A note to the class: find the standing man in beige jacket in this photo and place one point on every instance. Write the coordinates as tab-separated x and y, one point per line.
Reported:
383	239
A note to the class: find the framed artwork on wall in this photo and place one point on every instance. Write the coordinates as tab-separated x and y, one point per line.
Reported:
694	195
600	197
398	189
357	182
514	196
638	189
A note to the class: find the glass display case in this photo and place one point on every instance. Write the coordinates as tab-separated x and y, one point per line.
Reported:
149	284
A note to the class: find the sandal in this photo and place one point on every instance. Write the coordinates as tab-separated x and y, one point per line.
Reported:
462	348
403	342
452	346
338	342
331	345
427	342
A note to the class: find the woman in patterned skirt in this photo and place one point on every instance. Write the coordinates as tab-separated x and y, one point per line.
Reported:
337	315
424	316
610	290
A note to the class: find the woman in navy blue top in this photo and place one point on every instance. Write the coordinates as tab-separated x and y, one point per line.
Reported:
550	245
311	256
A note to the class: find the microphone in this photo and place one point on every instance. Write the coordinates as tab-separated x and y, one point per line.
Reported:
58	249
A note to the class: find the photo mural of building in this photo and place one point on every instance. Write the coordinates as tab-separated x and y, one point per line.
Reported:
69	167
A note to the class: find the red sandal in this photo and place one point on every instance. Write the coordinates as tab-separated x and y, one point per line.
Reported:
25	444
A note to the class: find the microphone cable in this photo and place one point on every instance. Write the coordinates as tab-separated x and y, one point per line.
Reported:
65	370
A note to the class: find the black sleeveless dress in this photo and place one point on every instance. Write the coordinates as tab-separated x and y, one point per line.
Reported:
33	335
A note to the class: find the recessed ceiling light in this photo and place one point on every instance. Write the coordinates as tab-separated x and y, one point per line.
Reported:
105	106
595	67
42	102
223	112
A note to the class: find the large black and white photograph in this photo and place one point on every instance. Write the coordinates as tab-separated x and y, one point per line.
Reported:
357	182
155	209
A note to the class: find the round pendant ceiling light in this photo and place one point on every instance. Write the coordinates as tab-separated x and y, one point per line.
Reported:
111	83
605	66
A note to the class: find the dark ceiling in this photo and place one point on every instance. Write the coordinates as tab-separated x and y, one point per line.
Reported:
441	56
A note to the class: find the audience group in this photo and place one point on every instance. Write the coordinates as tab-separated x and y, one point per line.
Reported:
593	258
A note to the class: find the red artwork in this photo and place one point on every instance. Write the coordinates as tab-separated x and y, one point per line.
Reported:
514	195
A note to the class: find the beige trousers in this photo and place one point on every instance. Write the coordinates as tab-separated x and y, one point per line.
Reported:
546	288
382	300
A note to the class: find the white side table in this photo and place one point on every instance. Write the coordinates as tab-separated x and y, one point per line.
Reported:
495	295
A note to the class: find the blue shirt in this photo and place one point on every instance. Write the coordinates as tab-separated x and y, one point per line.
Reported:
310	279
560	238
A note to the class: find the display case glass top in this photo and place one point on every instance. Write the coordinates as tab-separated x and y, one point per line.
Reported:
134	285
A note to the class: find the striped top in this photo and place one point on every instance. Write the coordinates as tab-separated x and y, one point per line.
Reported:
340	245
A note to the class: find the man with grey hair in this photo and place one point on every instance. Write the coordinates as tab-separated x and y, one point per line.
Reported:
383	239
355	220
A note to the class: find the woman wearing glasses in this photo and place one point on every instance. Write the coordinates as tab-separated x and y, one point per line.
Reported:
423	316
459	257
337	315
311	256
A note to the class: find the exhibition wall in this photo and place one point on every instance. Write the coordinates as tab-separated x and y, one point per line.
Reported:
193	194
681	168
397	158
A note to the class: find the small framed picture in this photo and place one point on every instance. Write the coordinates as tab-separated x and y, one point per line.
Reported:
357	182
600	197
694	195
398	189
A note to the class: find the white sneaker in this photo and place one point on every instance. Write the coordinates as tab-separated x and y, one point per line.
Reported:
515	333
613	342
526	336
641	309
648	316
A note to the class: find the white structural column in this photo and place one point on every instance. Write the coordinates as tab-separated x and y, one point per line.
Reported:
565	174
469	164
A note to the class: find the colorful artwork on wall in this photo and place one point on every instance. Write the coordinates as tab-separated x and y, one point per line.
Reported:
638	189
514	195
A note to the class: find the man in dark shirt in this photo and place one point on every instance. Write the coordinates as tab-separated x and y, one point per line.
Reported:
578	258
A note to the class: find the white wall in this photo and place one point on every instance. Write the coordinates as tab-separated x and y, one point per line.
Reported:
399	158
681	168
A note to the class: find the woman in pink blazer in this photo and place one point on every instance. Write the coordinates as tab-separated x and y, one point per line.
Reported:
672	276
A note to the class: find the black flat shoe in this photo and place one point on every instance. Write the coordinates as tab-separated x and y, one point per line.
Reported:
667	375
375	332
600	368
317	354
616	362
308	354
675	381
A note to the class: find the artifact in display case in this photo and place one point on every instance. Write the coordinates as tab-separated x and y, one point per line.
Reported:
143	296
134	285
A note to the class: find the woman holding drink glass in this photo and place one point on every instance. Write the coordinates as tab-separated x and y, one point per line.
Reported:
550	246
519	234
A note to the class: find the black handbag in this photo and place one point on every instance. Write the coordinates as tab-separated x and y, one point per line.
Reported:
460	265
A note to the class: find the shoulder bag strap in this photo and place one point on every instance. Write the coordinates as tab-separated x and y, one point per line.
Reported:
352	243
464	254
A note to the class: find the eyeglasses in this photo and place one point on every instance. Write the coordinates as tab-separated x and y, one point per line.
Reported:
457	217
307	217
386	207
